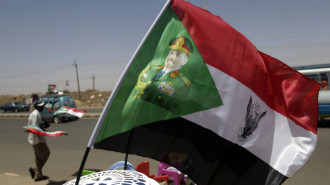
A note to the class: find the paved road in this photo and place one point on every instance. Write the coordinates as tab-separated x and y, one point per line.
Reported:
16	155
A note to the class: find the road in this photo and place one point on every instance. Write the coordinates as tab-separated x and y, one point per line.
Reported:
16	155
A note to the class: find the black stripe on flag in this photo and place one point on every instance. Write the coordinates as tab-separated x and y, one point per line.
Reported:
195	151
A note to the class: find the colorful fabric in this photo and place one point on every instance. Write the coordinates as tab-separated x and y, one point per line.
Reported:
244	118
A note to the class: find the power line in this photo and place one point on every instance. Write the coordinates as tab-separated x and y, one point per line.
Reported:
34	72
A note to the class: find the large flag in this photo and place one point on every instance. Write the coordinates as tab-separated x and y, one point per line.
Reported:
70	110
36	129
199	96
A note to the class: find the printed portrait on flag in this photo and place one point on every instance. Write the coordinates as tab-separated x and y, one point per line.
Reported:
164	84
168	78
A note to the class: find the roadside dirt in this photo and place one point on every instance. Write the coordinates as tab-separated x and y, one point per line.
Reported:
87	98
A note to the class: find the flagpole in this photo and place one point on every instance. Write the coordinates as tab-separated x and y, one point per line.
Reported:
128	146
82	165
115	91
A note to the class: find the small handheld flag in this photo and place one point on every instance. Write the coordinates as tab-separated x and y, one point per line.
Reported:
70	110
36	129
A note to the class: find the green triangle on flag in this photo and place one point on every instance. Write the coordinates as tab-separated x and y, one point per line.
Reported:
167	79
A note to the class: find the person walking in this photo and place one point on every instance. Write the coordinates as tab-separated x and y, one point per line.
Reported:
38	142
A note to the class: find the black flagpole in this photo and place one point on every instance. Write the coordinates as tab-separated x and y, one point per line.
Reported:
82	165
128	146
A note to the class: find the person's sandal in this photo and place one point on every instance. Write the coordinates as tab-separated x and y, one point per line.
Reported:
31	173
41	178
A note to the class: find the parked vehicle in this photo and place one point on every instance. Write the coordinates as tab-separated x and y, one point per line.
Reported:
55	102
15	106
321	74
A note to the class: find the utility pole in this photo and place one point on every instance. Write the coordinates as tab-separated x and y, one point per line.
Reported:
76	66
93	77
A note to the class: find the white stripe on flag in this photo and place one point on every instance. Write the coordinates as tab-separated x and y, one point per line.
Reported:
277	140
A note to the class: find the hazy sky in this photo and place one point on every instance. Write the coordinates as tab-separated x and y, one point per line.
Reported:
41	39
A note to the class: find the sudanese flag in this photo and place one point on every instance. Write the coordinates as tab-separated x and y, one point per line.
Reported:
231	114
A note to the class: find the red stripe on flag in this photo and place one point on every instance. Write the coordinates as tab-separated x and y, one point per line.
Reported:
279	86
50	134
75	110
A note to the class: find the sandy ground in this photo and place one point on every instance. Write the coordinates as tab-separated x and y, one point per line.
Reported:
86	99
